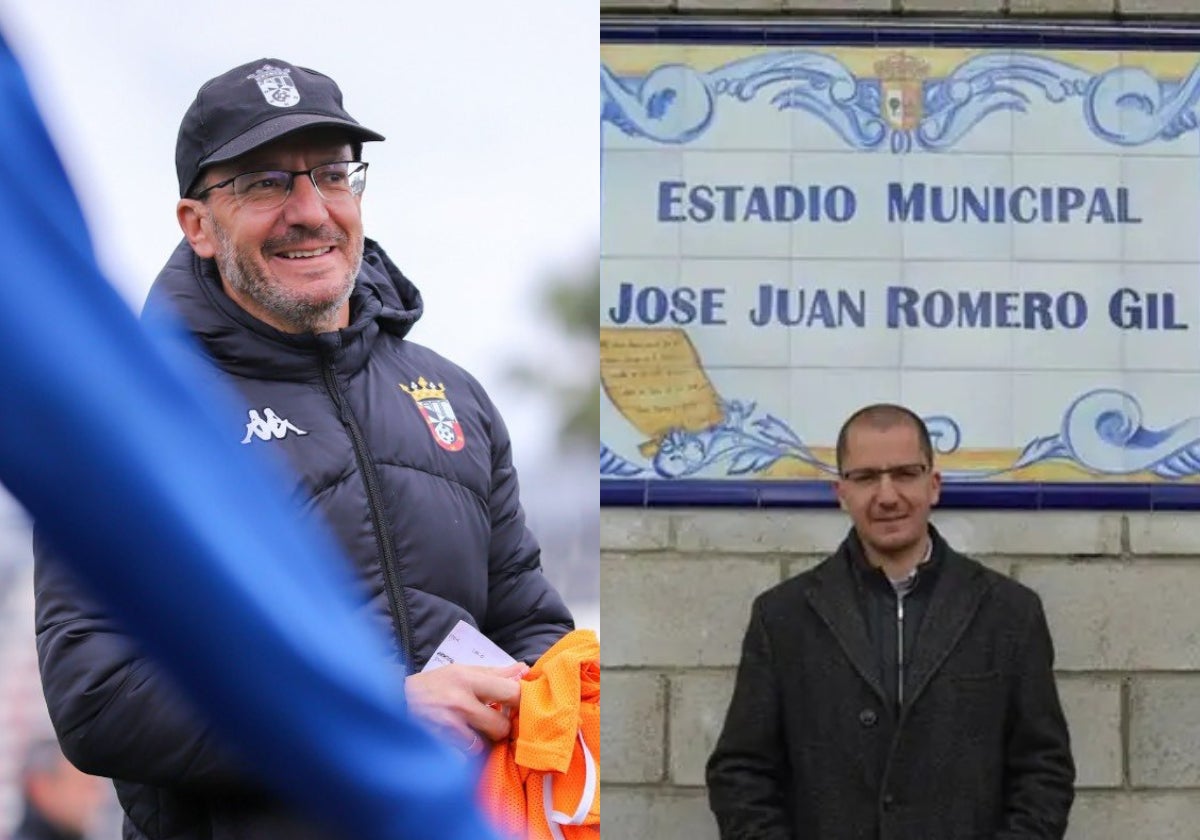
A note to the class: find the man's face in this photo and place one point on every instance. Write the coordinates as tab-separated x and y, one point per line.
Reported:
887	486
67	798
292	266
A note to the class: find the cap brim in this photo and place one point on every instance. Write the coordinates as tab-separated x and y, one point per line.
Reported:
280	126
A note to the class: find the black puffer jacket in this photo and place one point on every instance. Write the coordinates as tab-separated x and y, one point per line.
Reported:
424	503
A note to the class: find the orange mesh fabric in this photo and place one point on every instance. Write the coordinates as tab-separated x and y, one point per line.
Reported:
537	784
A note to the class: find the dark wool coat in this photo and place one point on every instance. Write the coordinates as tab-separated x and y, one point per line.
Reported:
812	750
427	512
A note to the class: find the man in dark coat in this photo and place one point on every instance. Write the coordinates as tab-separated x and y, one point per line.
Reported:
400	452
59	802
899	690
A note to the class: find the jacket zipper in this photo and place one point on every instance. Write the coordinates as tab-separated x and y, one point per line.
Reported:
391	571
899	651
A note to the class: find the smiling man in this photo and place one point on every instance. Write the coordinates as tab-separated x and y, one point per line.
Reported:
293	269
400	451
899	690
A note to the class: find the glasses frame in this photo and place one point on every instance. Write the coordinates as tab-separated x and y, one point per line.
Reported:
353	167
872	476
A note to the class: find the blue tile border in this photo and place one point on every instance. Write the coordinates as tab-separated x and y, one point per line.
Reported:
960	496
700	494
900	32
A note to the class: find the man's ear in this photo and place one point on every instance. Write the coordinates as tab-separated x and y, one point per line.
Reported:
193	217
839	491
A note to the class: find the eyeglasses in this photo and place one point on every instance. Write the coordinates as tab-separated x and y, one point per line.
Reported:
871	476
268	190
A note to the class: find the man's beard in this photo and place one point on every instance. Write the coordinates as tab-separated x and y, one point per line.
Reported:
250	279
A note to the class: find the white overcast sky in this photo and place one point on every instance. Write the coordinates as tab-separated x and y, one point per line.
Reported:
487	183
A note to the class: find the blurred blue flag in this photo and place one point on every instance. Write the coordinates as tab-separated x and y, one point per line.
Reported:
124	465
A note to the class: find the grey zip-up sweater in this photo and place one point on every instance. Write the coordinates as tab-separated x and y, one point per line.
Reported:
893	615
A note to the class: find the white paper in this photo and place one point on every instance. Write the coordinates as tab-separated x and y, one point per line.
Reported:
467	646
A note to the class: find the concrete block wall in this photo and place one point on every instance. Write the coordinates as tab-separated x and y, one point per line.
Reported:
1120	590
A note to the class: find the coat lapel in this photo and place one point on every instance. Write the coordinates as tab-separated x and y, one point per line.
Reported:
956	597
834	600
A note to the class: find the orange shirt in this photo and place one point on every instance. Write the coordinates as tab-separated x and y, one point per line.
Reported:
543	782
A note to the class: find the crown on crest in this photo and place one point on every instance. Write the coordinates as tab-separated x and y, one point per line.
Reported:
268	71
422	390
902	67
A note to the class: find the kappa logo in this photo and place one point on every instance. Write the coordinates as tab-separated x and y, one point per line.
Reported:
268	425
276	85
438	413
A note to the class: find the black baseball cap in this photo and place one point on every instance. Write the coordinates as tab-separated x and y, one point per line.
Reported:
254	104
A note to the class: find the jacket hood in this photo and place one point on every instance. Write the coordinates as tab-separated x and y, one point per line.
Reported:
189	288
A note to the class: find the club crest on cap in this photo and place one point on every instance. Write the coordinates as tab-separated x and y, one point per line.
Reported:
276	85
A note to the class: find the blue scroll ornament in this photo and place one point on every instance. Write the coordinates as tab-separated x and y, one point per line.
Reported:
1102	432
613	465
745	445
742	445
675	104
1127	106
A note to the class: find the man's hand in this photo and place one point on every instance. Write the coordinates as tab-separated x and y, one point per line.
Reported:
466	699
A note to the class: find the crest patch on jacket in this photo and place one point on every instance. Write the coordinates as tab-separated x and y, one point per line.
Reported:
431	399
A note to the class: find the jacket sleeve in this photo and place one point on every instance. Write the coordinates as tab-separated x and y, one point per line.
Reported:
1039	770
115	713
525	614
748	770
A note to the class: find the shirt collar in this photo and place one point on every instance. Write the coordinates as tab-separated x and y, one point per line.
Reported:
907	581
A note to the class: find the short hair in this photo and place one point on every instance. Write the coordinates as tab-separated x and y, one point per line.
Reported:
884	416
42	756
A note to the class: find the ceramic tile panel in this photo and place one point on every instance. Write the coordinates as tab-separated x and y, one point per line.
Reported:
1042	397
768	388
847	200
971	407
1166	396
728	204
1066	304
756	403
628	444
815	100
1041	130
755	126
839	306
733	336
1088	419
641	292
1157	310
1166	403
1006	240
662	99
1077	206
1057	118
1140	93
613	140
814	134
995	130
630	179
953	206
822	398
959	315
1165	196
